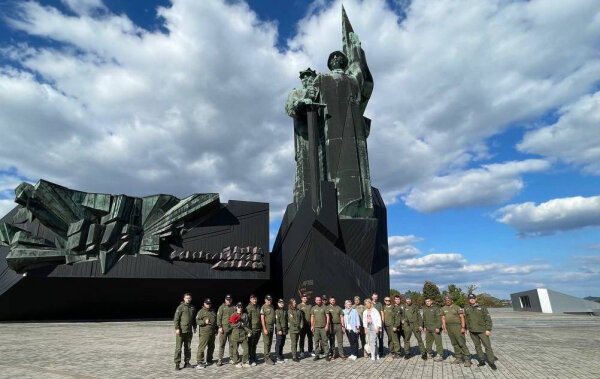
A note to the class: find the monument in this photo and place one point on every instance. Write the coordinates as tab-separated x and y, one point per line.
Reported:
67	254
333	237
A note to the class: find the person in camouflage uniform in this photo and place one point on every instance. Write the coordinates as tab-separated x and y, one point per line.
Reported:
295	324
399	309
338	328
453	321
389	324
267	319
281	328
304	307
223	314
206	319
240	331
319	325
413	325
254	313
432	325
479	326
185	327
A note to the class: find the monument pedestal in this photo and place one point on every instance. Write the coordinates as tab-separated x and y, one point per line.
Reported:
320	253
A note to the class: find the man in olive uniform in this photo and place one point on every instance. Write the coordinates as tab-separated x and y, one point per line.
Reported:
206	319
453	321
413	325
337	328
377	305
319	326
432	325
267	320
223	314
185	327
305	333
389	324
479	326
360	308
399	325
255	325
295	324
240	331
281	328
330	335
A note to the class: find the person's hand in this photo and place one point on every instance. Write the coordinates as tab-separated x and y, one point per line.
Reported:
207	322
220	329
249	334
437	330
395	329
403	322
177	332
377	331
462	330
327	328
467	332
420	328
488	333
265	332
312	329
280	332
445	330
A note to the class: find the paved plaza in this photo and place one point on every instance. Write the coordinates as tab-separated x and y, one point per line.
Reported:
528	345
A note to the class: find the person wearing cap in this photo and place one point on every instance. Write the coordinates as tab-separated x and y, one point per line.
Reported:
389	324
305	333
360	308
206	319
240	331
352	324
295	325
254	313
281	328
454	324
223	314
319	326
413	325
267	320
338	328
377	305
399	325
185	327
432	325
479	327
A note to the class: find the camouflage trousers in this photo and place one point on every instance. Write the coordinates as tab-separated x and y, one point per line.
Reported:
409	330
206	341
459	342
481	338
184	339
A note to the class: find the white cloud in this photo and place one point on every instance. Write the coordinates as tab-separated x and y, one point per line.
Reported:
6	206
488	185
401	246
200	109
552	216
574	138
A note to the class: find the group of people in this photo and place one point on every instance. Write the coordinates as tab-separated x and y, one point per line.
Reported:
323	324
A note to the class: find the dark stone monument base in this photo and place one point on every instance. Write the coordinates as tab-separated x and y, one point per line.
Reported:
324	254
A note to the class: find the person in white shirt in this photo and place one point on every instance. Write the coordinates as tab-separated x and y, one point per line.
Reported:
372	325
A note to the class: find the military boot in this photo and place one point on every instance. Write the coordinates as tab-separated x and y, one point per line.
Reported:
493	366
468	362
424	356
481	363
187	365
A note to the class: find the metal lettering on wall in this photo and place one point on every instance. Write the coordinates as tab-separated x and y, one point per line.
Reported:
236	258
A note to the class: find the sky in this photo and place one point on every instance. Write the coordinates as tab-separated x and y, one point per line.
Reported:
485	137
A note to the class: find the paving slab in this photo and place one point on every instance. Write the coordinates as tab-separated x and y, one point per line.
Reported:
528	345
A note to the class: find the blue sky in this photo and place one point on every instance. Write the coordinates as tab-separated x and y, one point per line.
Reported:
485	139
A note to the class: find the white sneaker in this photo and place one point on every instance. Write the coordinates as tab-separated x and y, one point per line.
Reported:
239	365
353	357
312	354
245	365
372	357
252	364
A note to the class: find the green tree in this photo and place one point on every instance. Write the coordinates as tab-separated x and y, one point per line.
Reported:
394	292
432	291
457	295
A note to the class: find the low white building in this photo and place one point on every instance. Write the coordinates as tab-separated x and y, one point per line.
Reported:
548	301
